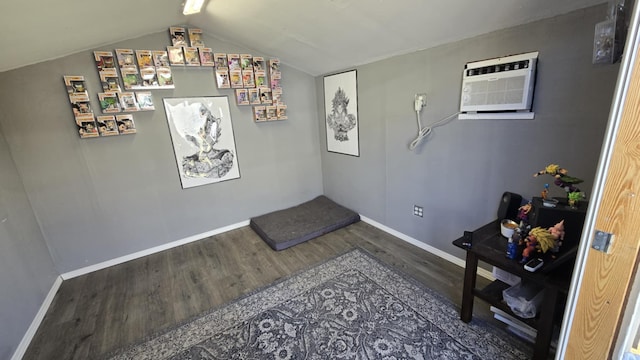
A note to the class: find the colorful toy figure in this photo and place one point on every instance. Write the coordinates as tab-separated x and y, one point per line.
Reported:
530	247
574	197
523	212
545	192
562	180
539	240
557	232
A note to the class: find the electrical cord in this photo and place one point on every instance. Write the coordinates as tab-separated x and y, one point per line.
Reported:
424	132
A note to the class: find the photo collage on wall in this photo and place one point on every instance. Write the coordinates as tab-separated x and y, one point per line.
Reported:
118	96
255	81
188	49
267	94
127	75
89	125
81	106
115	96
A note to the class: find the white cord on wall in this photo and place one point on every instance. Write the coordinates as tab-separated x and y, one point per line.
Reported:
424	132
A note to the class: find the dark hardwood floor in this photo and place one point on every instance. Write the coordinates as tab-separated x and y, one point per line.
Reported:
97	313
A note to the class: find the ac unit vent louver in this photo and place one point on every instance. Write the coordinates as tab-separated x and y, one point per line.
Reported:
503	84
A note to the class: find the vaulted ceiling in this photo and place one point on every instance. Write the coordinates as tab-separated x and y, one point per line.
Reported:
315	36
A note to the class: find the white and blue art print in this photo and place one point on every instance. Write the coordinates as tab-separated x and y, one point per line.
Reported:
203	141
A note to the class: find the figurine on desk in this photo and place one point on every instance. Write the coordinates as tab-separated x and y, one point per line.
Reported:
545	192
562	179
541	240
530	248
523	212
557	232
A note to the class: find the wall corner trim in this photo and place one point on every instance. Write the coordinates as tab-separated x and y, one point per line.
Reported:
37	320
153	250
482	272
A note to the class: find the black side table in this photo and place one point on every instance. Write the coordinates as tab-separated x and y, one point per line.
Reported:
489	246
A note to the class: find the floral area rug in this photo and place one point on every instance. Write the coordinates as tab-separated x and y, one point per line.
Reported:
350	307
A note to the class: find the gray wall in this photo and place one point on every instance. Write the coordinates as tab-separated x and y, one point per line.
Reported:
26	269
460	171
98	199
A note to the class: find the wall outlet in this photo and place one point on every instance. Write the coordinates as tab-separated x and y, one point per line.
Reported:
420	101
417	210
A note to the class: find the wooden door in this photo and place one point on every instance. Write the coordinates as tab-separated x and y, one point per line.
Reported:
604	279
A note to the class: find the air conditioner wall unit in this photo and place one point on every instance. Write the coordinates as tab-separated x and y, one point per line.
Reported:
504	84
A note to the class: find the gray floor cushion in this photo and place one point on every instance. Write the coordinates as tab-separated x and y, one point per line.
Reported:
284	228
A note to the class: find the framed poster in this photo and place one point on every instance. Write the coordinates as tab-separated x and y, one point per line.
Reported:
341	111
203	141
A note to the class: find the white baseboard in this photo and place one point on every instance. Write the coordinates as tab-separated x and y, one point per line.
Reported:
426	247
153	250
35	324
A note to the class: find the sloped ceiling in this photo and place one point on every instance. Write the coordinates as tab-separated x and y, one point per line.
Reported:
315	36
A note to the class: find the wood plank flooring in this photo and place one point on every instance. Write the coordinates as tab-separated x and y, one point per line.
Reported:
97	313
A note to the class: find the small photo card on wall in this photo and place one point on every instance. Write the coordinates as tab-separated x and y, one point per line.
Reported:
126	124
261	78
242	96
109	102
145	58
265	95
87	127
272	113
235	77
221	61
76	87
126	58
165	77
81	108
149	76
107	125
195	38
248	79
145	100
176	56
259	113
160	58
259	64
282	112
222	79
178	36
130	78
206	56
191	56
254	97
277	96
104	60
109	80
246	61
128	101
234	62
274	68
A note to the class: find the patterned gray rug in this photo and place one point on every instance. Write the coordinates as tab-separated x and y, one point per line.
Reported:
350	307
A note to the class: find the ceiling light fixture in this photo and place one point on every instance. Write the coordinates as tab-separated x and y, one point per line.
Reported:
192	6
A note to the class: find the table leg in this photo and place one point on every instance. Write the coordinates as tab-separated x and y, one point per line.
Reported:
545	324
470	269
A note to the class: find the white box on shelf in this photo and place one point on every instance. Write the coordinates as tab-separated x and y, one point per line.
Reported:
505	277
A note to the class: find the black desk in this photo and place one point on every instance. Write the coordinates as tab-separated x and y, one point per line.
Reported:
490	247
